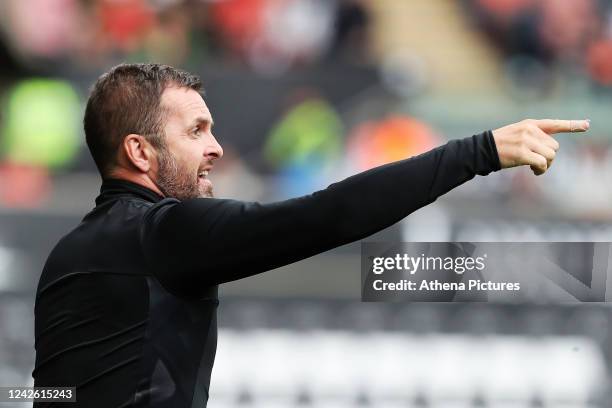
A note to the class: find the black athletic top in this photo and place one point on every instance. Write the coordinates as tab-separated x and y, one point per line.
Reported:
126	304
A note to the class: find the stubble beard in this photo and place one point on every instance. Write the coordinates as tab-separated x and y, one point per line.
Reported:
175	180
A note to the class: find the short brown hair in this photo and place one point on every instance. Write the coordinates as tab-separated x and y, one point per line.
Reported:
126	100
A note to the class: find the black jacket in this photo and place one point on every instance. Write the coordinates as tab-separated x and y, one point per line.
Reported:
126	303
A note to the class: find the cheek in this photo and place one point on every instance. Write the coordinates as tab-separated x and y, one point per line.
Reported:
195	156
189	156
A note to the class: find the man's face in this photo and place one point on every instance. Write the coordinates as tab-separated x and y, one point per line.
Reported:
190	147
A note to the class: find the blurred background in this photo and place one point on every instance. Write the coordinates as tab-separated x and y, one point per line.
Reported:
305	93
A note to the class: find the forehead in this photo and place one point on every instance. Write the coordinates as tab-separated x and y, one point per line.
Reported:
184	104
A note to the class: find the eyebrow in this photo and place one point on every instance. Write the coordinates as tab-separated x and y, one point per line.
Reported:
202	119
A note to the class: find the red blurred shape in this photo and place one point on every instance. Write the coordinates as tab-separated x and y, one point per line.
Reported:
23	186
599	61
126	20
240	21
394	138
506	8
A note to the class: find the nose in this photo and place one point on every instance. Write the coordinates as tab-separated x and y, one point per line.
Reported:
213	149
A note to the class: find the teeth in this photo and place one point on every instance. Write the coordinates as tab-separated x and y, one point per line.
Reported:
203	173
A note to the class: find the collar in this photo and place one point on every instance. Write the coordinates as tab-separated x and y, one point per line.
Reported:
112	189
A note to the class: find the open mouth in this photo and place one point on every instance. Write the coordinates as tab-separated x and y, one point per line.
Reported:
203	174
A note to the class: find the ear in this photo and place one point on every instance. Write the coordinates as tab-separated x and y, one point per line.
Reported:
138	152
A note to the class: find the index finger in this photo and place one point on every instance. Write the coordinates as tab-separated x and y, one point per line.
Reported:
563	126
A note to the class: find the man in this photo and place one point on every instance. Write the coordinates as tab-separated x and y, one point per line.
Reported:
126	304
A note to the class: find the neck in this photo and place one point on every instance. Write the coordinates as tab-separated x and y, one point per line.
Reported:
140	179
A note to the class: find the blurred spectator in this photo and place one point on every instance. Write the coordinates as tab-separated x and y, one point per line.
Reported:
351	35
168	40
238	21
43	28
556	33
310	131
23	186
512	24
274	35
296	32
567	26
270	36
125	22
40	132
600	62
394	138
42	123
305	144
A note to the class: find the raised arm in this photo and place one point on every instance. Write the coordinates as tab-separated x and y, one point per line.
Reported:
208	241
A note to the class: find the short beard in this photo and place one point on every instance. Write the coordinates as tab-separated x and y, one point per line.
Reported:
175	181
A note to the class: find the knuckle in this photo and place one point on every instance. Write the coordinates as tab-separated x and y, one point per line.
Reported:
532	129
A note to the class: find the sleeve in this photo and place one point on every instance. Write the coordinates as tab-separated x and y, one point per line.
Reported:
208	241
